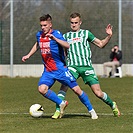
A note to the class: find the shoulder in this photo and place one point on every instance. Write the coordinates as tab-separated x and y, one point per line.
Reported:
56	32
67	33
119	51
91	37
84	30
39	33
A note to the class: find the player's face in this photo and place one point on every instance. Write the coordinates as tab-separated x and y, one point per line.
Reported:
75	23
46	26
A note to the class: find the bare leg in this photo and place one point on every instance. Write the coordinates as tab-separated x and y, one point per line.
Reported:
102	95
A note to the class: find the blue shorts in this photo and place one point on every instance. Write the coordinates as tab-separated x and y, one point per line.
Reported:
62	75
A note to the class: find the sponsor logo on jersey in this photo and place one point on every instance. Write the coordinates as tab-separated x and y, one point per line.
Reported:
75	40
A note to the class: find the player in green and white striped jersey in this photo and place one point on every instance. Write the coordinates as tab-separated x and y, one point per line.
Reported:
79	60
79	53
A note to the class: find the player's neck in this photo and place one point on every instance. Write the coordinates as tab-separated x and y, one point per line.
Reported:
49	32
76	30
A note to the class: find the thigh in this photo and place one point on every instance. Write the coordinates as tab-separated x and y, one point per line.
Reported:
67	78
116	63
46	79
74	72
88	75
108	64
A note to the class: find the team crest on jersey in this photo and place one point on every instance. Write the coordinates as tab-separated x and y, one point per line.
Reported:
82	35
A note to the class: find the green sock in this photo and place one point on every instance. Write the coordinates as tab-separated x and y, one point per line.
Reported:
61	95
107	100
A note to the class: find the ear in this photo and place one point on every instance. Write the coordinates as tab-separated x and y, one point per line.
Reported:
51	25
80	22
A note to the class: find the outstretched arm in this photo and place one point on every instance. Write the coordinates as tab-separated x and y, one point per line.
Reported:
32	51
104	42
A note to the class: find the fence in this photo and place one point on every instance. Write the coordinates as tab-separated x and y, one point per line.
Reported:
35	70
95	15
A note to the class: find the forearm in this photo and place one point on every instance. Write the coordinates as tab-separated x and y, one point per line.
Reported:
33	50
105	41
64	44
102	43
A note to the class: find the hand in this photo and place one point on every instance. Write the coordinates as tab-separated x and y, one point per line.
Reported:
109	29
24	58
112	49
51	36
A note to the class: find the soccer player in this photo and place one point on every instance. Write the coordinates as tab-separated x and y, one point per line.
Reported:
79	60
51	44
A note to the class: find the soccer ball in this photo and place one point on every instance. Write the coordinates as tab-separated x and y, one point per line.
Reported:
36	110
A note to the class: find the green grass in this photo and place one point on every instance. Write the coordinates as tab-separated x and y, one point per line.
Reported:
18	94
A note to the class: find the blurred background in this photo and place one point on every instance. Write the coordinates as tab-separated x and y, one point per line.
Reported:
96	15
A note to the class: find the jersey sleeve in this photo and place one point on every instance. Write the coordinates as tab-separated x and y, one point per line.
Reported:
37	36
64	35
91	37
59	35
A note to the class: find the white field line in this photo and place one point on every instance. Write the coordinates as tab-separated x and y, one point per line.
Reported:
47	114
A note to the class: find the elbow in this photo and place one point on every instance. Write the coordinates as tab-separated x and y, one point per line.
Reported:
101	45
67	47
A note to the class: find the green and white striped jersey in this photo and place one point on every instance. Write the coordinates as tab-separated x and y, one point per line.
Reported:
79	53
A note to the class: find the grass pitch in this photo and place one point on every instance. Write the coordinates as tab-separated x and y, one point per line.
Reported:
18	94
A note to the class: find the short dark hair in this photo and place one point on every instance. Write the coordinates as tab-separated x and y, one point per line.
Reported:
116	45
74	15
46	17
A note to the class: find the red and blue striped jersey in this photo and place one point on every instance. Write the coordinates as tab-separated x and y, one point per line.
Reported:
52	53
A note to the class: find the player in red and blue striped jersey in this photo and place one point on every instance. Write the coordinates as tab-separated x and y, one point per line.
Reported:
51	44
52	53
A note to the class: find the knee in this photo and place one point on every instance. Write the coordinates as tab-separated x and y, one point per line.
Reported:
43	89
107	64
97	90
104	64
77	90
99	94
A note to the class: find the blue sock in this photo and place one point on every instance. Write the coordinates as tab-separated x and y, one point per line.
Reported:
51	95
85	100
